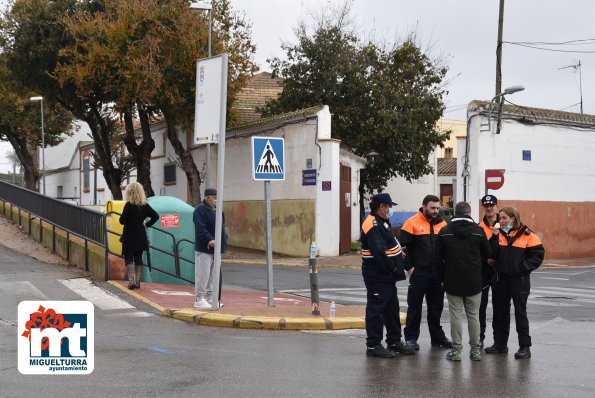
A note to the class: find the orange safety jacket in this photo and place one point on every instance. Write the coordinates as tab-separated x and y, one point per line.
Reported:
417	237
486	227
517	253
382	260
487	271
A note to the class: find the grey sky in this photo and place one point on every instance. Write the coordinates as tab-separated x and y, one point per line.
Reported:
465	31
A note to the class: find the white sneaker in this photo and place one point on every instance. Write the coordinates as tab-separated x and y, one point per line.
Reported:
202	303
221	305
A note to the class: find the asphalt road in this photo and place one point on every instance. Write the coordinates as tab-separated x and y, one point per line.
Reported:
566	293
139	353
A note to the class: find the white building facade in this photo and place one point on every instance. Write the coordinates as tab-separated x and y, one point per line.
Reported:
545	156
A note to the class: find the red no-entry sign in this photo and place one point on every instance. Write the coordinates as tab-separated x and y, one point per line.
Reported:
494	179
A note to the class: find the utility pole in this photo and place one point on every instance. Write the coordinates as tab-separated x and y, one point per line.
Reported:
499	51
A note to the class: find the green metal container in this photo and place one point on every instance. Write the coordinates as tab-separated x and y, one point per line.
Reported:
165	238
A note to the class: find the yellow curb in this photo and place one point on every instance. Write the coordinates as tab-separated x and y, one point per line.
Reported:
153	304
208	318
261	322
187	315
303	324
220	320
347	323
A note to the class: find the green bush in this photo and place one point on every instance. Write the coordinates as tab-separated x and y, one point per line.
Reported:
356	246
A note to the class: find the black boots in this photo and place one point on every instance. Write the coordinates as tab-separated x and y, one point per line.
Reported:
401	348
380	352
523	352
496	349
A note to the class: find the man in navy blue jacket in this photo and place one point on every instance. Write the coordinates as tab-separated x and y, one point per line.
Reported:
204	245
382	267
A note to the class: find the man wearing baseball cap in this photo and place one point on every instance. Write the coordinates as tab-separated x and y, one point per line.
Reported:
204	248
382	267
489	221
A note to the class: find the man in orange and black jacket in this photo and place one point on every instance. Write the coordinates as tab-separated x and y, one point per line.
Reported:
489	221
382	267
417	237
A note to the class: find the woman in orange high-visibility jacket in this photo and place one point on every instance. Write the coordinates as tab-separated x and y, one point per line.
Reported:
518	251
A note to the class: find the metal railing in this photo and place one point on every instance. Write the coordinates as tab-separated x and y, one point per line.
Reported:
85	223
90	225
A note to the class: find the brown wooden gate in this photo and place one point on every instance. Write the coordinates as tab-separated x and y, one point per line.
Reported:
345	212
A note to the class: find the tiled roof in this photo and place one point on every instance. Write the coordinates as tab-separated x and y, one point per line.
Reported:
535	115
274	120
447	166
265	80
257	91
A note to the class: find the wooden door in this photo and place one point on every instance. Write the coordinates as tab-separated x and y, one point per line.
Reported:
345	210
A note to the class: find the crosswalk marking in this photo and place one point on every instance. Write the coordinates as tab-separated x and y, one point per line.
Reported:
135	314
555	296
22	290
98	296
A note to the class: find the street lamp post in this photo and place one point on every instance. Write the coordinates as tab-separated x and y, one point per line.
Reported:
40	99
199	5
508	90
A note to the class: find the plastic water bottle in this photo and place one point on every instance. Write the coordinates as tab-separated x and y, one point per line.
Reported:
313	250
333	310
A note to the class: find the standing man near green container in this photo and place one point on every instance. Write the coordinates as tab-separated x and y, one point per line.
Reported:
204	246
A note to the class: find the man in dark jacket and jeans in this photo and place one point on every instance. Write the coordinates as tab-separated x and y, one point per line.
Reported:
204	245
460	250
382	267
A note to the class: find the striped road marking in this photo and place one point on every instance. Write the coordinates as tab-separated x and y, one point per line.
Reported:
98	296
22	290
545	296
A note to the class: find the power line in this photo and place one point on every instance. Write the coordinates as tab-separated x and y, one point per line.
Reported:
560	43
550	49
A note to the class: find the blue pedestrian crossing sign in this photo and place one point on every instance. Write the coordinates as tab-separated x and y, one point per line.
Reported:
268	158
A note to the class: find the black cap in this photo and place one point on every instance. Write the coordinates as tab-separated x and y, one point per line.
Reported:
383	198
210	192
489	200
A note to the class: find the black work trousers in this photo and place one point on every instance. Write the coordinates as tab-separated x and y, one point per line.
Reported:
424	283
382	309
516	288
483	306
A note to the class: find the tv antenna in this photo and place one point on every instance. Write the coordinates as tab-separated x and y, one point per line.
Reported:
576	67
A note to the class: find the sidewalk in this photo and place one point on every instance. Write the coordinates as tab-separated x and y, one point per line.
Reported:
248	309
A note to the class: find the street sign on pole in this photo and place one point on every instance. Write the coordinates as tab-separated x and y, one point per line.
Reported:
494	179
268	159
268	163
207	126
221	112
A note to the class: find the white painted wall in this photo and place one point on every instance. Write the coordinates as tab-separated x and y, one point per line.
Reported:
409	195
327	203
560	168
61	155
300	145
